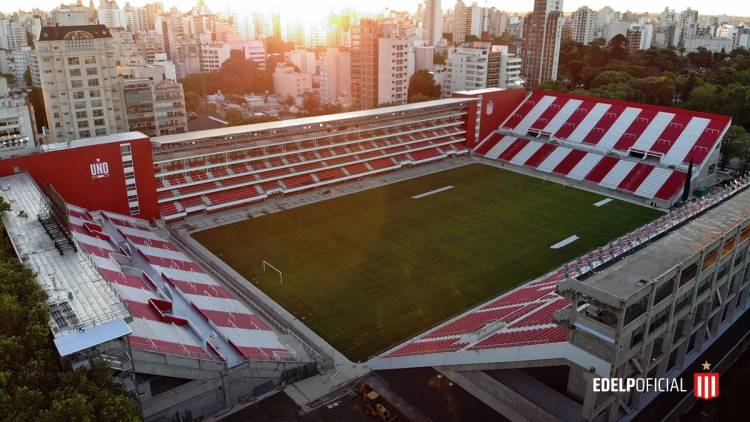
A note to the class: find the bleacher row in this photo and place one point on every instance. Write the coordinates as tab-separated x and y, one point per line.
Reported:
626	175
522	317
149	284
248	175
674	136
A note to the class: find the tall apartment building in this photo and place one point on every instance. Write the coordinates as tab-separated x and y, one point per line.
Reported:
381	65
365	64
152	103
110	15
212	56
510	68
640	37
432	22
17	127
393	71
583	25
686	26
137	18
473	66
335	77
77	69
254	50
541	34
303	59
12	35
424	58
289	83
461	22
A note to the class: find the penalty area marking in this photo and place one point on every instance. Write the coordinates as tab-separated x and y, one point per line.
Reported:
422	195
604	201
565	242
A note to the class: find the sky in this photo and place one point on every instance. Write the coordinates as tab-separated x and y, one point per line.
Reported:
317	8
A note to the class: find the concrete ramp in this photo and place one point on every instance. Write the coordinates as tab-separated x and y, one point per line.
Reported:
516	395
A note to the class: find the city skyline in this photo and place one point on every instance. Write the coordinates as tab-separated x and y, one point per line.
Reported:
319	9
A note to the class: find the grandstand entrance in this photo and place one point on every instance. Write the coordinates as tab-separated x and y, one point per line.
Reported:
370	269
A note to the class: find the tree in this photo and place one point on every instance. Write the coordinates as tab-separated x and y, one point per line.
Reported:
736	144
609	77
438	58
27	76
311	103
33	385
618	47
422	83
656	89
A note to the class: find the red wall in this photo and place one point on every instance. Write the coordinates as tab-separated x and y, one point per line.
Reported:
68	170
497	105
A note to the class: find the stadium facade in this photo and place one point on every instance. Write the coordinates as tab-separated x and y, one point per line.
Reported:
93	218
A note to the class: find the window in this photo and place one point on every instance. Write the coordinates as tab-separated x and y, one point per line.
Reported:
75	72
90	60
84	133
72	61
81	114
95	93
83	124
91	71
79	95
100	132
97	113
98	122
76	84
93	82
96	103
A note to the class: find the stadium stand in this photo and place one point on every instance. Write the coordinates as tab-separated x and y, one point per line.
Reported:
293	157
170	296
632	148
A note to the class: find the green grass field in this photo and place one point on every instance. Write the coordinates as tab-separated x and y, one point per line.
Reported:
370	269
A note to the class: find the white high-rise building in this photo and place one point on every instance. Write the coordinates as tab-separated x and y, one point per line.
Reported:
136	18
686	26
335	77
17	128
510	68
12	35
432	22
474	65
77	69
288	83
110	15
212	56
304	60
583	25
640	37
393	70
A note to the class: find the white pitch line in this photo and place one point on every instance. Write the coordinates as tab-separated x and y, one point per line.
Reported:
422	195
604	201
565	242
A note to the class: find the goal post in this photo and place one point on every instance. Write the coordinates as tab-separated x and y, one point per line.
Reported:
267	264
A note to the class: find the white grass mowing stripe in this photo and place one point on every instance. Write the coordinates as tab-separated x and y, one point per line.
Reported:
604	201
422	195
565	242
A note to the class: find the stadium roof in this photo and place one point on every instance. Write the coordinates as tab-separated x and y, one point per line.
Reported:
79	297
85	142
282	124
621	280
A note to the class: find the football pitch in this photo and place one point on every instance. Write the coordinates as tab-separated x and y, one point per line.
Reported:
368	270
